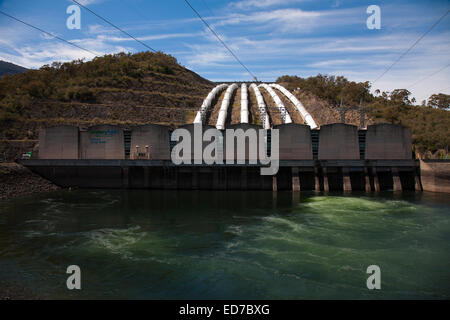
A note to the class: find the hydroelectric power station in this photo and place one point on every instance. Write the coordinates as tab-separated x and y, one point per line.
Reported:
333	157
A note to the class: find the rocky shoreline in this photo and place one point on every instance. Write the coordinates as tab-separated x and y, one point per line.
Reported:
17	181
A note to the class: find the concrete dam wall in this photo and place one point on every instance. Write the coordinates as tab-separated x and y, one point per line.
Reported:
435	175
336	157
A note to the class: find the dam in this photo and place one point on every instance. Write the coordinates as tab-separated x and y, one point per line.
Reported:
332	157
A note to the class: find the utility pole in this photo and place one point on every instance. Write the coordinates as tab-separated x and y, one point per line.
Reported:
362	115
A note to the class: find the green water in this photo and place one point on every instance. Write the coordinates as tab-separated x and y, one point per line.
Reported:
227	245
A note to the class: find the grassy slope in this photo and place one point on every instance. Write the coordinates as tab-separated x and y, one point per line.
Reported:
122	88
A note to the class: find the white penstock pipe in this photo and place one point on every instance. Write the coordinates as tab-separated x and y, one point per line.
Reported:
224	107
244	104
261	107
305	115
285	117
207	103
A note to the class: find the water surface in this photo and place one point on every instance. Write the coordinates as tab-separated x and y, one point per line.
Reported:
227	245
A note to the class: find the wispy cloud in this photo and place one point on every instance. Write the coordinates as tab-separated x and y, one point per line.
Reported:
293	20
247	4
150	37
37	55
88	2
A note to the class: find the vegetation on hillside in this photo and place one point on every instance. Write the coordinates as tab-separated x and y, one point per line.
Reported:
429	122
134	88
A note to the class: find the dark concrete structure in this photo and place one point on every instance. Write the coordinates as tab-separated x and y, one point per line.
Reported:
150	142
338	141
336	157
388	142
59	142
299	175
295	141
102	142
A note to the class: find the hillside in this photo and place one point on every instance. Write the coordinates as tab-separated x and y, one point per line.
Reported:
121	88
10	68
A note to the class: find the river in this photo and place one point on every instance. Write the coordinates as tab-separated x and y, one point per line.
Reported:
143	244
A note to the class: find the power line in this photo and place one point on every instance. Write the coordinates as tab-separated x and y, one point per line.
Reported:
48	33
113	25
414	44
429	76
217	36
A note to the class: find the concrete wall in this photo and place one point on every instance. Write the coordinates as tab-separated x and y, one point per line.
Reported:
190	128
338	141
244	127
156	137
388	142
102	142
59	142
435	175
295	142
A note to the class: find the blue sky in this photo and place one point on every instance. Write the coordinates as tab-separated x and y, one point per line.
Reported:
272	37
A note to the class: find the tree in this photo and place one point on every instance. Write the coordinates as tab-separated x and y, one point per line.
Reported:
440	101
400	96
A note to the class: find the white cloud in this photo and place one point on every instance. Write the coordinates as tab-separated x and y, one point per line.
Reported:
292	20
36	55
88	2
246	4
150	37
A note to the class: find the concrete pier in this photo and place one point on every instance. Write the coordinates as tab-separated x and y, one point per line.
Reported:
316	179
326	186
396	179
376	182
367	186
347	184
274	183
295	179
